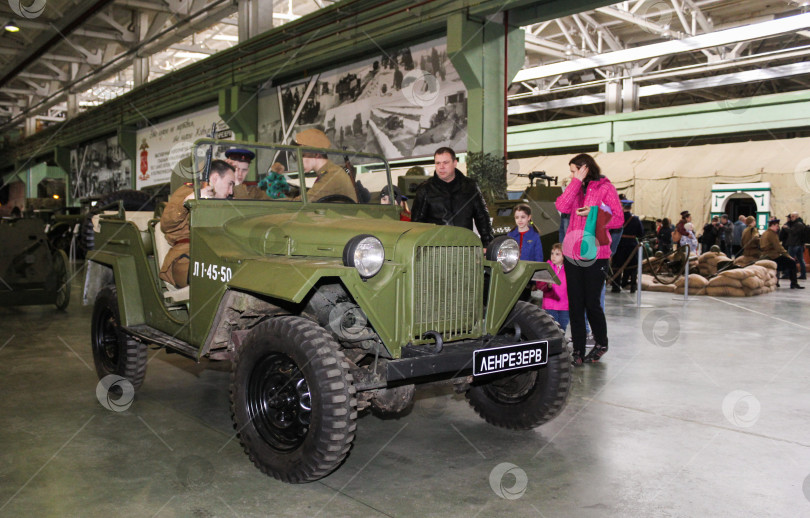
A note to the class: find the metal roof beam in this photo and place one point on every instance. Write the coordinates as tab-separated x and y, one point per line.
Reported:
703	41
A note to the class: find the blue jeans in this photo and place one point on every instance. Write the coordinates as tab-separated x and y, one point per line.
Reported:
797	252
564	220
560	316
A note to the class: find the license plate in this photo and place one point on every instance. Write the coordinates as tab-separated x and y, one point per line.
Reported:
510	357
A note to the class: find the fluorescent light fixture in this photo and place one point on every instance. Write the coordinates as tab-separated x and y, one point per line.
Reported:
11	26
191	55
225	37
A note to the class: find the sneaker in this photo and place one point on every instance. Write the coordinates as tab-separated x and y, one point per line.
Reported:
576	359
590	341
597	352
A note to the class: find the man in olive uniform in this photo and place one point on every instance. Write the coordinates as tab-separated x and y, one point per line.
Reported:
176	218
240	160
332	179
772	249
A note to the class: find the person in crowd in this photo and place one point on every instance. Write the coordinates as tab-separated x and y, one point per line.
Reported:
658	223
526	234
679	227
772	249
399	199
795	241
555	296
750	240
450	198
710	233
724	236
736	235
594	205
240	160
333	181
632	232
688	238
665	236
176	218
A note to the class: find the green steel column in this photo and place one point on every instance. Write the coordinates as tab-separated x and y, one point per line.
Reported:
61	157
487	53
239	108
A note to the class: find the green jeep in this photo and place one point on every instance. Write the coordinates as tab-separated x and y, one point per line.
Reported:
326	309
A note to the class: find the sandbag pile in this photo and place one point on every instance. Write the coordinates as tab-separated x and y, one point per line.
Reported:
697	284
649	283
709	262
755	279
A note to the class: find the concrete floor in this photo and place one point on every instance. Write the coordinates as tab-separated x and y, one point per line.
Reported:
697	410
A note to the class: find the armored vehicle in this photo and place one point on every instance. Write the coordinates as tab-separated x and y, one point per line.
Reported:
325	308
32	271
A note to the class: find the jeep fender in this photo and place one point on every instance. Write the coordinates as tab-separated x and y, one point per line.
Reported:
505	289
120	268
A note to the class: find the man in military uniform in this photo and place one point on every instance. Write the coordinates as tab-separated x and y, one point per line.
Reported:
772	249
240	160
176	218
332	179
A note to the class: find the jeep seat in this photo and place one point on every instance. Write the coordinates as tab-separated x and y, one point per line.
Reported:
162	248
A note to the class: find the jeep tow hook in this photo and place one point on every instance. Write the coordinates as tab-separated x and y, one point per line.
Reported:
437	347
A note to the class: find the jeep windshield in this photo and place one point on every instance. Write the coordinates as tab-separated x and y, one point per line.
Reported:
276	173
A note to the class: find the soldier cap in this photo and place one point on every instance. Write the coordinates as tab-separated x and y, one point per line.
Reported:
240	155
313	138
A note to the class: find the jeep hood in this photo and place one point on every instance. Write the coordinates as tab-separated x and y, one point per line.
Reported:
316	234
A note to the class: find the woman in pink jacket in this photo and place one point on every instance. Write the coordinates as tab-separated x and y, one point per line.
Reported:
594	206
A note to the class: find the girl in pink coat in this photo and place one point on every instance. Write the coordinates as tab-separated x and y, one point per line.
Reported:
594	206
555	296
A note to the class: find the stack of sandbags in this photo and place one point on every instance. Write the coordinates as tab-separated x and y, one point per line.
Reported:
744	260
709	262
728	284
770	268
649	283
697	285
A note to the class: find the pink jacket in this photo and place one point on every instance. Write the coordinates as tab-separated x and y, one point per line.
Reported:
555	296
599	191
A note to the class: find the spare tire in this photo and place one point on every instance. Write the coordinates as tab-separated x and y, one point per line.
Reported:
133	200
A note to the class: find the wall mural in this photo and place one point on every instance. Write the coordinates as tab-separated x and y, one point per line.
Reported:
402	104
160	146
99	168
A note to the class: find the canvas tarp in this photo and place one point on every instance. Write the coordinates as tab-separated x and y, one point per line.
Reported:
663	182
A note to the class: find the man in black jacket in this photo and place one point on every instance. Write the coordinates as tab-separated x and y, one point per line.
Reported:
450	198
795	241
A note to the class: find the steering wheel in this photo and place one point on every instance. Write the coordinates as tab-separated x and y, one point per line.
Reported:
335	198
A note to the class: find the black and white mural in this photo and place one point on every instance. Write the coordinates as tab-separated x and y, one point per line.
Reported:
402	104
99	168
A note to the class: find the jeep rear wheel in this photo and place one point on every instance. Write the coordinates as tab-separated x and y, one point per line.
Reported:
292	400
531	397
114	351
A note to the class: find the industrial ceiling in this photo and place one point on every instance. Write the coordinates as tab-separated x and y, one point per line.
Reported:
68	55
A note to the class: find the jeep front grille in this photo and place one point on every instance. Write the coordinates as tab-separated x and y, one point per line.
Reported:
447	284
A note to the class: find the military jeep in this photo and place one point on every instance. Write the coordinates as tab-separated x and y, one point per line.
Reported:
325	309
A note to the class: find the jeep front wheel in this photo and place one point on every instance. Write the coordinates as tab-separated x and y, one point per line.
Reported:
292	400
114	351
531	397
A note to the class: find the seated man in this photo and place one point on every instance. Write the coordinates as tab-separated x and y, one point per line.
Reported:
240	160
332	179
399	199
176	218
772	249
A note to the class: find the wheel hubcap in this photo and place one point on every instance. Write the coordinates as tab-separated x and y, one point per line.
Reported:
279	402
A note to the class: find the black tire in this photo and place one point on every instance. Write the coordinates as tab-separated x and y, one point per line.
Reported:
285	365
62	270
532	397
114	351
133	201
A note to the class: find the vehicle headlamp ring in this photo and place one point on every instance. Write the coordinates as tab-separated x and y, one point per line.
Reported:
505	251
365	253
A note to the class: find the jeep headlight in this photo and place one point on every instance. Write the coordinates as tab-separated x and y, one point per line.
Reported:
506	251
366	253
